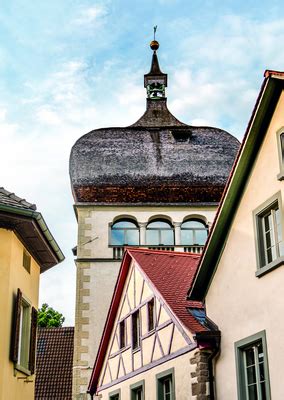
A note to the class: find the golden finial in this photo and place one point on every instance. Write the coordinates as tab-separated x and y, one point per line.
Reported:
154	44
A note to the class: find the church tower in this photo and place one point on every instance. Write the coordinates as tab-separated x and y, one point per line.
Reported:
154	184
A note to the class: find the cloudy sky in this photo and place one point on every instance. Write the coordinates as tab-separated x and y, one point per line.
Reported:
68	67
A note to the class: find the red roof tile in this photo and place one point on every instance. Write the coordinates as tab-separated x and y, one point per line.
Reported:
54	364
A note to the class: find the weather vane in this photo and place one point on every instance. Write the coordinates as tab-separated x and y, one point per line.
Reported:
155	29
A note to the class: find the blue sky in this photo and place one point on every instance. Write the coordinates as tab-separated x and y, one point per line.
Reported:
68	67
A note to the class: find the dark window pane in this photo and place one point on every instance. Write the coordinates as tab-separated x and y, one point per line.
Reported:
263	391
261	372
251	376
151	315
250	360
122	334
135	330
252	391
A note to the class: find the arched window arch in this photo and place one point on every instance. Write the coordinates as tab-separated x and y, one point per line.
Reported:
124	232
193	232
159	233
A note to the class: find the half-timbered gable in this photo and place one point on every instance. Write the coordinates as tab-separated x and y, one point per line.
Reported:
149	324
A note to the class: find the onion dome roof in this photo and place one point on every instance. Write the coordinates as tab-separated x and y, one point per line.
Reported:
157	160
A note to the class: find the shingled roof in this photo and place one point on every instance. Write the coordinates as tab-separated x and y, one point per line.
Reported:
10	199
54	364
158	159
19	215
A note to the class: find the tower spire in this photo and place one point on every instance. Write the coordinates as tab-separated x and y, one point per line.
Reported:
155	81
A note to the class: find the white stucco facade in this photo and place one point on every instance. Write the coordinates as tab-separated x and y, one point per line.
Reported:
238	301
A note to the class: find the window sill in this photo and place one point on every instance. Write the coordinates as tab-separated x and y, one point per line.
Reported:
269	267
22	369
280	176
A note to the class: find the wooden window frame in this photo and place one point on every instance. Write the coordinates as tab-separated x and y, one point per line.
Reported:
262	266
240	348
160	378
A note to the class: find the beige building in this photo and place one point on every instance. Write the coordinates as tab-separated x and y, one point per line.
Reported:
27	249
154	184
241	274
149	348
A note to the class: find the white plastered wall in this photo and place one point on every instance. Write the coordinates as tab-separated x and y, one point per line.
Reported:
240	303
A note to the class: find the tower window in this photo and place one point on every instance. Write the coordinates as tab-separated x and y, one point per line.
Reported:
124	232
160	233
193	232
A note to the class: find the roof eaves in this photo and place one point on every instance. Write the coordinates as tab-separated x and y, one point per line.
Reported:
263	110
37	216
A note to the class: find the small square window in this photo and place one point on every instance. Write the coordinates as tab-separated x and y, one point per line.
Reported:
165	385
26	261
252	368
122	334
269	240
135	330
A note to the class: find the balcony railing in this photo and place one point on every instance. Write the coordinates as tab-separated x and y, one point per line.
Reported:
197	249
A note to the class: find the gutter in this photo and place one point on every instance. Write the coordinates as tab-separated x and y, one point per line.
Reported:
35	215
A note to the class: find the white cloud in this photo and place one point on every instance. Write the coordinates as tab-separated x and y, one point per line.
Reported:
91	15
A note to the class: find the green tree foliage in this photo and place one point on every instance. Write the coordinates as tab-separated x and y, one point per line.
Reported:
48	317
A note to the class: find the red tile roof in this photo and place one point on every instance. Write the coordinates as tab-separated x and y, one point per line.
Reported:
54	364
172	274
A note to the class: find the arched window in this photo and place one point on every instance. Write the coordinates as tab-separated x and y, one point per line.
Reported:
193	232
124	232
159	233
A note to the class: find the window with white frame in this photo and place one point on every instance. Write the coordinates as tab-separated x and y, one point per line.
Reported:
160	233
24	335
165	385
124	232
269	240
193	232
252	368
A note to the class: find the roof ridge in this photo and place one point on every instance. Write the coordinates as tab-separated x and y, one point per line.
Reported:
160	252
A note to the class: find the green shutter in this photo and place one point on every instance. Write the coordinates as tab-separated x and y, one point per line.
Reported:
33	340
16	327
